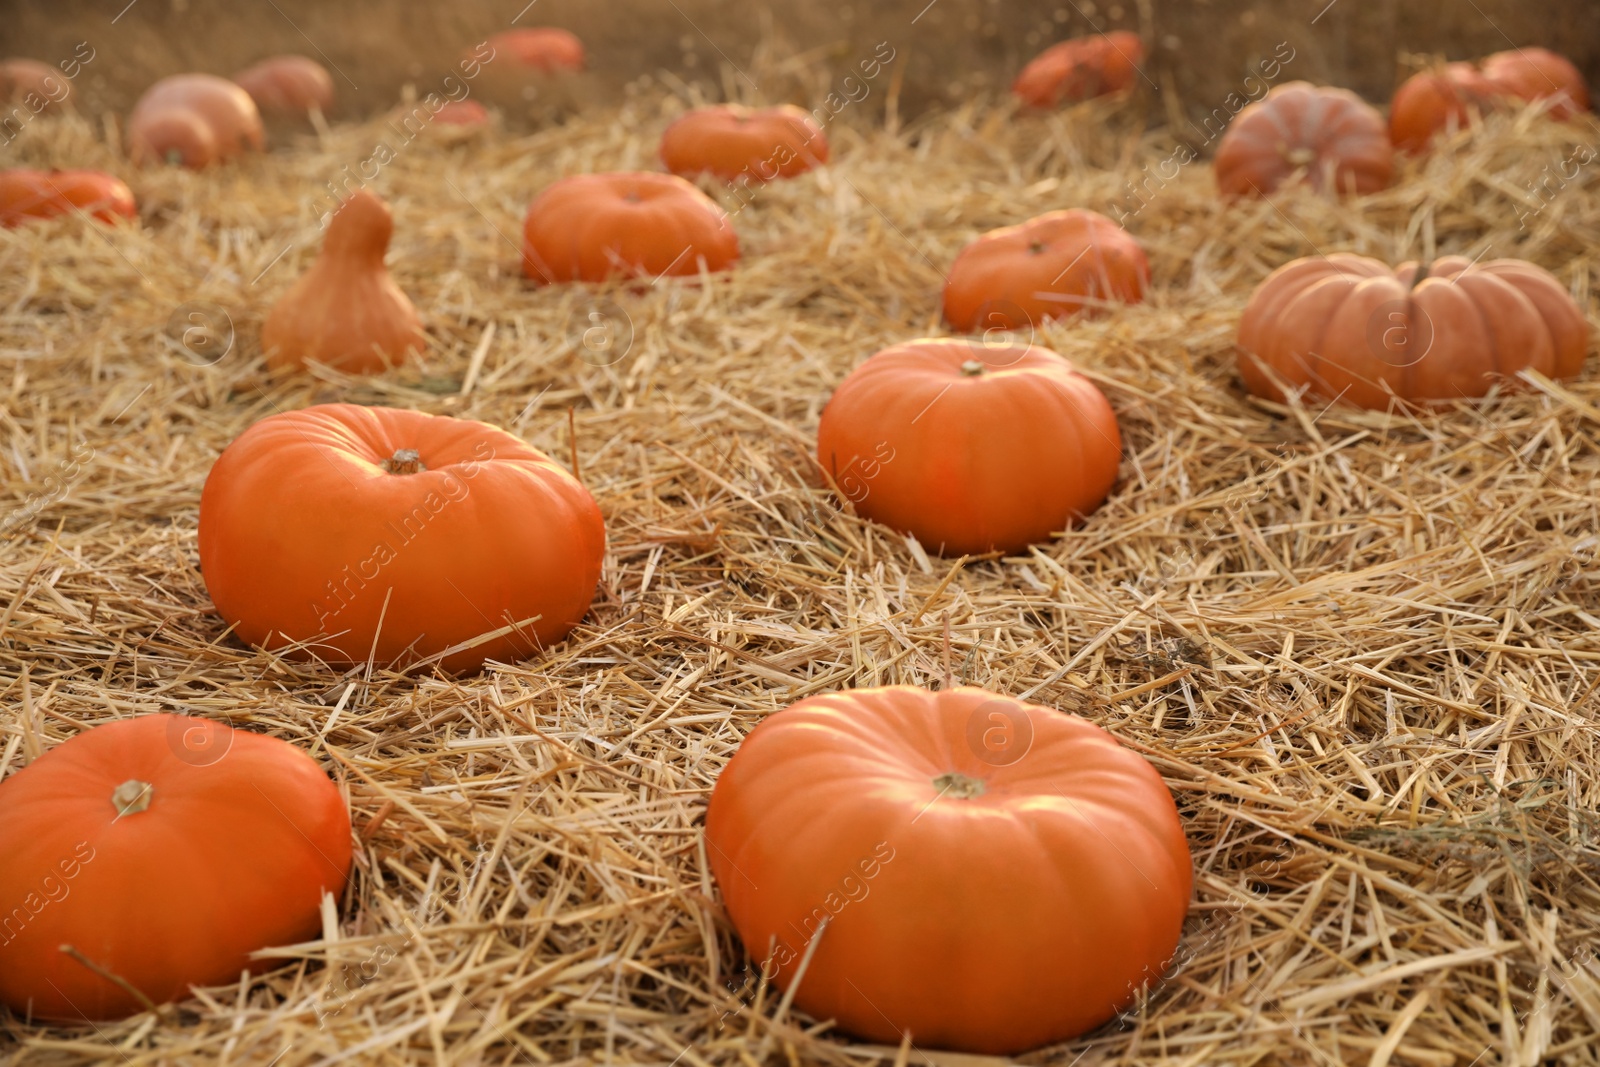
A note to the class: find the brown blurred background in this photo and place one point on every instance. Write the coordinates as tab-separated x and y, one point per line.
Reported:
947	53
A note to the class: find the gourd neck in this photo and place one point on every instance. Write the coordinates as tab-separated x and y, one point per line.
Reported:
359	231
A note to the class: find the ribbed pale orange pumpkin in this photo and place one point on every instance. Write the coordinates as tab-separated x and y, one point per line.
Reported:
1539	74
195	120
1080	69
1053	265
733	141
972	872
967	455
1435	101
543	48
46	194
1350	328
346	311
343	531
1338	140
589	227
288	85
162	850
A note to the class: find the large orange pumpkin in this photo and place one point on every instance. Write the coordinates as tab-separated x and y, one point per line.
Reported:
733	141
970	447
195	120
977	873
1434	101
45	194
543	48
1539	74
1350	328
348	531
589	227
161	850
346	311
288	85
1053	265
1080	69
1334	137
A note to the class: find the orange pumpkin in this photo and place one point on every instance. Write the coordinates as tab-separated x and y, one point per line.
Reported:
543	48
45	194
1539	74
346	311
33	84
1349	328
1432	101
1053	265
343	531
732	141
589	227
970	447
161	850
1332	135
1080	69
971	871
195	120
288	85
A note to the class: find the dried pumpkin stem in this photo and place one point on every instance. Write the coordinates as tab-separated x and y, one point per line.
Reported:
972	368
960	786
1421	275
116	979
132	797
404	461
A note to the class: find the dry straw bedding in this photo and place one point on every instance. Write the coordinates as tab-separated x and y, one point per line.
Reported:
1361	647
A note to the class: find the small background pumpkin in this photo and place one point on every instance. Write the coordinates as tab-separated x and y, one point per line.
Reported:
33	84
164	850
1437	101
969	456
1053	265
1080	69
1337	139
1347	327
1533	74
993	875
732	141
589	227
546	49
288	86
195	120
43	194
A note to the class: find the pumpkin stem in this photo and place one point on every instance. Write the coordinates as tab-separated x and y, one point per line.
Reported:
972	368
174	157
132	797
1421	275
404	461
116	979
1300	157
959	785
1036	247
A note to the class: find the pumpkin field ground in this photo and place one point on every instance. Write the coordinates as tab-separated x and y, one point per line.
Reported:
1363	648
